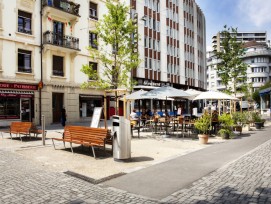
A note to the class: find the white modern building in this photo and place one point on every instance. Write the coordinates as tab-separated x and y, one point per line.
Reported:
257	56
240	37
43	45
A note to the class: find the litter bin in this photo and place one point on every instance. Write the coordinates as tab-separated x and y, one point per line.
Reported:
122	138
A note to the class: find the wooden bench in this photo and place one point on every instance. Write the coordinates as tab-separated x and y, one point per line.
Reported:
36	131
86	136
19	128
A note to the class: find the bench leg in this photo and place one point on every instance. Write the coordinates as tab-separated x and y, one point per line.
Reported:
53	143
71	147
64	144
10	135
20	137
93	152
2	135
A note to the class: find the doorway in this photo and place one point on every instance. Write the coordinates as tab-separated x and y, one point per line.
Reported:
57	105
26	110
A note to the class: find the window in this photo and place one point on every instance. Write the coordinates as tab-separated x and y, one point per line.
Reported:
145	41
93	40
24	22
93	11
24	61
94	67
146	62
58	66
10	108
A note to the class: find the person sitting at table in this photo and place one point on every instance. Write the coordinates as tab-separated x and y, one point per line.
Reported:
133	118
144	117
133	115
214	121
155	116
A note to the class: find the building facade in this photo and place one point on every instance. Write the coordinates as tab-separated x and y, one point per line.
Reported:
240	37
43	46
172	44
258	58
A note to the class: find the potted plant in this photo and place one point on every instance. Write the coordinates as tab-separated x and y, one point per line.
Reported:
263	121
239	120
203	127
257	120
226	123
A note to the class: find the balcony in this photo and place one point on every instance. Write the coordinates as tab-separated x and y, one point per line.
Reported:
67	8
57	39
257	53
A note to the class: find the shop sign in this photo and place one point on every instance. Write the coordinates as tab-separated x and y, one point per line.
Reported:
18	86
11	95
151	83
9	117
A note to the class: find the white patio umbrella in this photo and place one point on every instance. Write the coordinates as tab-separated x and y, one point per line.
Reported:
135	95
166	91
214	95
193	93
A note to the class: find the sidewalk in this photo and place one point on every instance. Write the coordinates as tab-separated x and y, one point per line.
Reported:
243	178
147	150
164	179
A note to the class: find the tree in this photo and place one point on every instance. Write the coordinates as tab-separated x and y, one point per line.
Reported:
231	69
116	55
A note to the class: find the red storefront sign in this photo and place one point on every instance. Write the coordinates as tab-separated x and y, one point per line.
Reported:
18	86
11	95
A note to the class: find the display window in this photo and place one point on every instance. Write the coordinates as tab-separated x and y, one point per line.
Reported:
10	108
88	103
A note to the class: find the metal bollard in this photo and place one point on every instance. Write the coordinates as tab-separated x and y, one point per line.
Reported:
43	129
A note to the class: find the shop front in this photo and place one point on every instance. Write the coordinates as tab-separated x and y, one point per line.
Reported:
88	103
16	102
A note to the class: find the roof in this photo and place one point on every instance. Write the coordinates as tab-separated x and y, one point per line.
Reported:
253	43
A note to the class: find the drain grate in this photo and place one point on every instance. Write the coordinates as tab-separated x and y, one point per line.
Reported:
92	180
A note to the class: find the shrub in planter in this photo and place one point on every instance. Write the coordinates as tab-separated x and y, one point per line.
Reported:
257	120
203	126
226	123
239	118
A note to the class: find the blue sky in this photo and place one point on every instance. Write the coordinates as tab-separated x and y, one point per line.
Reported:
246	15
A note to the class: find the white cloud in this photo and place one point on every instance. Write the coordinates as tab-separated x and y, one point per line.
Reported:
256	12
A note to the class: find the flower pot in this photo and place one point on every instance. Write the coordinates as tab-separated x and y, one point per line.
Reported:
203	139
225	136
258	125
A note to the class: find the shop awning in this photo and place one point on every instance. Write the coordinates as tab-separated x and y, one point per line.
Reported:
265	91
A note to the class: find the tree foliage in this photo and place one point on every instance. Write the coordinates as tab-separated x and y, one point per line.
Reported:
231	69
115	53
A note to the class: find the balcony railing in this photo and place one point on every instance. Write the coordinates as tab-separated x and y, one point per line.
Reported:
58	73
58	39
257	53
63	5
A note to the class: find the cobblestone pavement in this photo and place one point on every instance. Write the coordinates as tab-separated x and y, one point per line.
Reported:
247	180
22	181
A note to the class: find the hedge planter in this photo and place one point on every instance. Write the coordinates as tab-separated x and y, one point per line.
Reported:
258	125
203	139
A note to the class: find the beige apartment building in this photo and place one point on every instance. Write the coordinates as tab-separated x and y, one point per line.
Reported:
43	45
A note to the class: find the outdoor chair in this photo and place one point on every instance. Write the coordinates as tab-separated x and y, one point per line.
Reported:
180	126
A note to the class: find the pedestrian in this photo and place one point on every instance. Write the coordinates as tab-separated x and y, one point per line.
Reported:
63	116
